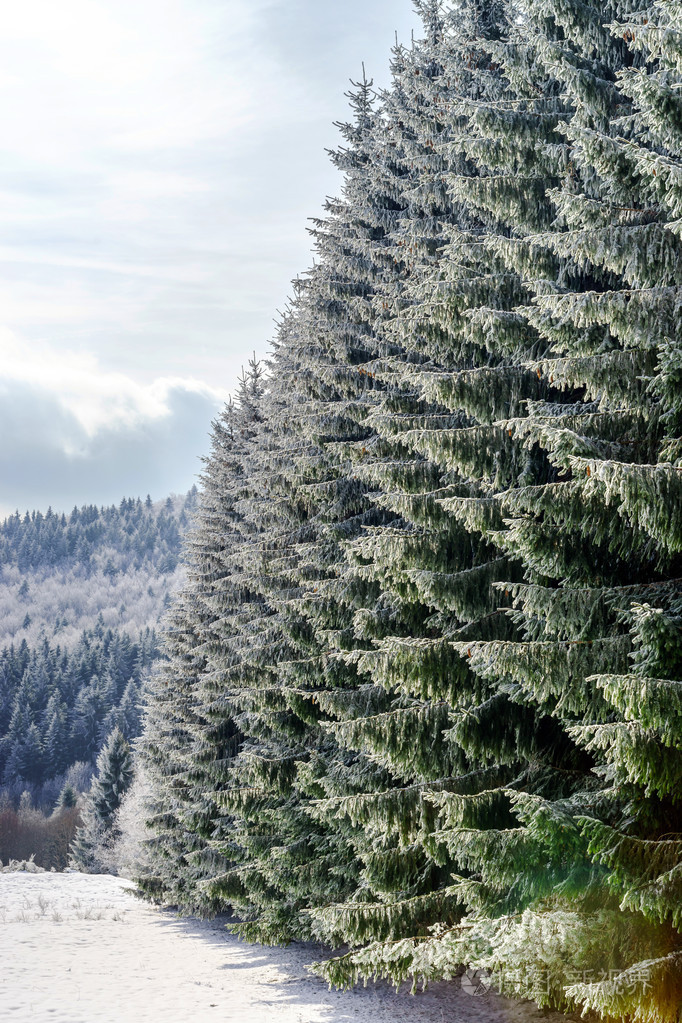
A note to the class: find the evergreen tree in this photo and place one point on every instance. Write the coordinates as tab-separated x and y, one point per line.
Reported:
97	831
68	799
295	859
55	744
188	738
578	494
423	689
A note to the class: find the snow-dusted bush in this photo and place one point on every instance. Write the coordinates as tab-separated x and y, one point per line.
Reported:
15	866
128	854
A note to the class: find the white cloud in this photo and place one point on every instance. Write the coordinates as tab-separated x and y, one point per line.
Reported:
158	161
177	140
71	433
143	70
37	257
96	400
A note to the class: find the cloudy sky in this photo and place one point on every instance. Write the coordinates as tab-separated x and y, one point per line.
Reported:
159	159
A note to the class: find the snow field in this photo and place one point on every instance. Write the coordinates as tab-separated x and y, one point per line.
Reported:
80	948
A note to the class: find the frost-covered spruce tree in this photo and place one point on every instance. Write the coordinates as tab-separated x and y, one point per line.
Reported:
361	257
97	830
512	459
386	741
286	859
187	738
220	570
433	571
170	711
230	814
588	492
259	831
282	861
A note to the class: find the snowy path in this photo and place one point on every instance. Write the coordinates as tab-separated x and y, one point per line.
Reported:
78	948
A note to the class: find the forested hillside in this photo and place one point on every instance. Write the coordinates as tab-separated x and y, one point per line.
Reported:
80	601
423	694
59	573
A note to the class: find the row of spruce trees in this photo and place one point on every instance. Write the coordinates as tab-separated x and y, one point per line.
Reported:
57	706
422	695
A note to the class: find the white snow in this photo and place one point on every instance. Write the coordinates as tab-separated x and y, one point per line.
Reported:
80	948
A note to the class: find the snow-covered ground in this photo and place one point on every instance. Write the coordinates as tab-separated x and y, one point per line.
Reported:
79	948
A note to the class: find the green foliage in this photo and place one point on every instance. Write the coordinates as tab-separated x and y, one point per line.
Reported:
98	830
59	705
423	692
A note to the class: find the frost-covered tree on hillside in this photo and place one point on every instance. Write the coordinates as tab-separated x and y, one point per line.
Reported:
97	830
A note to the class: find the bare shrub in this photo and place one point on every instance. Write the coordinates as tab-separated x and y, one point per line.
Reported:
30	833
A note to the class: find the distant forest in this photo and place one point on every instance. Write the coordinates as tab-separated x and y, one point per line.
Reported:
59	573
80	596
